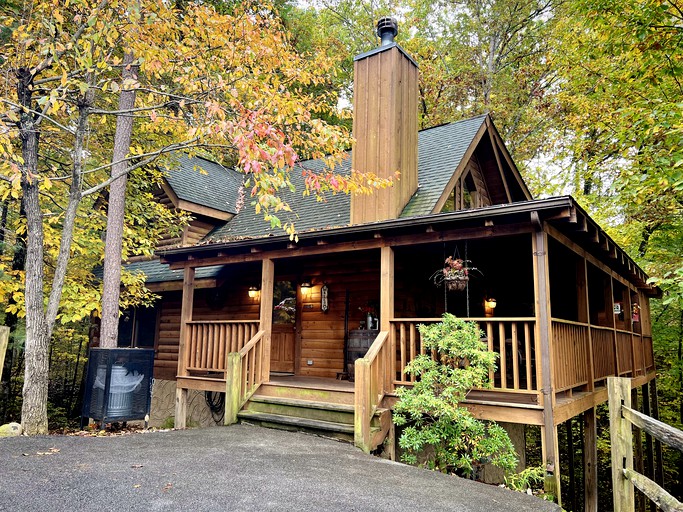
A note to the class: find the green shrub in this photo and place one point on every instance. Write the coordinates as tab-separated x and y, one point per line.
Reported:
448	437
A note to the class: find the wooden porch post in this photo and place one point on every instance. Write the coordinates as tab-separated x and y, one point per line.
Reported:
386	304
544	330
584	316
590	461
386	288
613	324
266	313
185	316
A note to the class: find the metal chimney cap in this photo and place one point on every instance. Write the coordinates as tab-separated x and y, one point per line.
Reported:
387	28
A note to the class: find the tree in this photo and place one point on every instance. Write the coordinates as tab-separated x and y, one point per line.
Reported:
111	274
228	83
475	56
449	436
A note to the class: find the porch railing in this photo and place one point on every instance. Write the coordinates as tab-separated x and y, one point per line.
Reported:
243	376
372	382
209	342
604	355
570	354
648	353
513	339
624	351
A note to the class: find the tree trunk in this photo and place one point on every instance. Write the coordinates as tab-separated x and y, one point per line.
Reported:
34	407
39	319
115	214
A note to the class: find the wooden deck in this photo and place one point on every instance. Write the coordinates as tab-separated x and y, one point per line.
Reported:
300	381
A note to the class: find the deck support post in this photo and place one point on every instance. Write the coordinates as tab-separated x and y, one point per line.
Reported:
185	317
619	392
180	420
659	467
638	449
590	461
649	444
362	401
266	313
551	455
571	466
232	387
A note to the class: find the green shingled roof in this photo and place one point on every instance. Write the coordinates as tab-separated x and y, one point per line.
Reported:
307	214
158	272
201	181
440	150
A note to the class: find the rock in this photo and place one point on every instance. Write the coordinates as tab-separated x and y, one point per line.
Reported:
10	429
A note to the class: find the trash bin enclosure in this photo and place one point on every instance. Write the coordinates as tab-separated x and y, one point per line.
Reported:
360	341
118	384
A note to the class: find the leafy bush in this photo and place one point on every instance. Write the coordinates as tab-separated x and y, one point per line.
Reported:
447	436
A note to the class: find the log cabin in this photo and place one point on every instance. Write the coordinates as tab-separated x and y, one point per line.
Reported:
315	334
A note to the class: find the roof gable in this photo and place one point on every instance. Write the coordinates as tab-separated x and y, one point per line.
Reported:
198	185
443	158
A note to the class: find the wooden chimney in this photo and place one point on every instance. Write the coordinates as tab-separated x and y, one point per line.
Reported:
385	95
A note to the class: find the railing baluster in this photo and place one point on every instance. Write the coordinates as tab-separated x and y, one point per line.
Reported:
489	338
202	346
209	348
403	350
503	359
515	356
527	354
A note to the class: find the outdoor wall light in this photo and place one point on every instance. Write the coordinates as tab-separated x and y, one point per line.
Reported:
489	306
305	285
253	292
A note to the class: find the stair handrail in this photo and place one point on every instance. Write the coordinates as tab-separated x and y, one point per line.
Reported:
373	380
624	478
243	376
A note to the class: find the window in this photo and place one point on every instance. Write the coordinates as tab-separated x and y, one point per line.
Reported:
137	328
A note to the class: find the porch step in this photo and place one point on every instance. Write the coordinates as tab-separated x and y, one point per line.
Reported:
342	431
320	411
315	393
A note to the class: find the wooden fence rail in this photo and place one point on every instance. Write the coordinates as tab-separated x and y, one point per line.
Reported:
373	381
624	478
244	376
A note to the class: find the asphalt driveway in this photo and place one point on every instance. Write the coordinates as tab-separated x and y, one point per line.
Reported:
227	468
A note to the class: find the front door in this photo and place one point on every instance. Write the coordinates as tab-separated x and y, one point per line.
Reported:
284	327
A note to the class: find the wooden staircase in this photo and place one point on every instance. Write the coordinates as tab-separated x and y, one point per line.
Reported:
318	406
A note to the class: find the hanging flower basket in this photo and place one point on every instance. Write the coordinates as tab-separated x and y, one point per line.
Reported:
454	275
456	284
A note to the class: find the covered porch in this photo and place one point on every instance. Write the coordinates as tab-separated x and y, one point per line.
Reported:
571	310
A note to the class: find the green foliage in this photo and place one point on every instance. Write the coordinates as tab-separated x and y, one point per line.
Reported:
530	478
449	436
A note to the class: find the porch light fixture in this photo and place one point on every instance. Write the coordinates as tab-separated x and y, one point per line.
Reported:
253	291
305	285
489	306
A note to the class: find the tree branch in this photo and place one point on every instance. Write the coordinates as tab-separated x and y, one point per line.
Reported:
77	35
151	157
36	113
